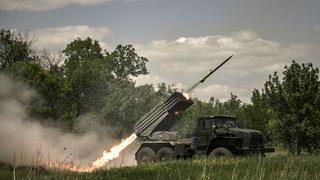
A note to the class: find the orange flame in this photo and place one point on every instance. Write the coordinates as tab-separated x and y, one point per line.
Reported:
114	151
186	95
107	156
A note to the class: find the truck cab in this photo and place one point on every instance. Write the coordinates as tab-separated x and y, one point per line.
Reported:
219	136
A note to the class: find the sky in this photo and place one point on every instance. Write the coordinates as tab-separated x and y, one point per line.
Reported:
183	39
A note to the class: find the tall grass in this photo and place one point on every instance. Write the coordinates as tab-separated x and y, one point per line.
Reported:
275	167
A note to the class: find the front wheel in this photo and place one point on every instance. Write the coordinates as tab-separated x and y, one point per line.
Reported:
221	152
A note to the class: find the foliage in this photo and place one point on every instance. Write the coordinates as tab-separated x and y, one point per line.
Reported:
126	62
100	82
85	88
295	102
14	47
79	51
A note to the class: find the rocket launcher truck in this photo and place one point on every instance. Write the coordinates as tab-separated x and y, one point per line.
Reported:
213	136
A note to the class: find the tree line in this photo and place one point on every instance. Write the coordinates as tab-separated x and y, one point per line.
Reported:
92	80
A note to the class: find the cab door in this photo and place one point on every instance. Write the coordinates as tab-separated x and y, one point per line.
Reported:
202	136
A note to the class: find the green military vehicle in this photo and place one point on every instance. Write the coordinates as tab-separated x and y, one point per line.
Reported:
213	136
219	136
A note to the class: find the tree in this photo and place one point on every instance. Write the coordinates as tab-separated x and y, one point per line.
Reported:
14	47
79	51
86	88
126	62
86	75
296	103
90	77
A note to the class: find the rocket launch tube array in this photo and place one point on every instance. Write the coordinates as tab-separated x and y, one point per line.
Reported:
163	116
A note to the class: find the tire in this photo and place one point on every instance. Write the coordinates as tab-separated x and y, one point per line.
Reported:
221	152
165	154
145	155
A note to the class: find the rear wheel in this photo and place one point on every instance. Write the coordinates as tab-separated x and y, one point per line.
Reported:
165	154
145	155
221	152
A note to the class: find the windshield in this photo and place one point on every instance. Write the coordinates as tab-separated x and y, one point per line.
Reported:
225	123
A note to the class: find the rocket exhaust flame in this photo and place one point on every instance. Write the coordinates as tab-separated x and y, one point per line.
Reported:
107	156
114	151
186	95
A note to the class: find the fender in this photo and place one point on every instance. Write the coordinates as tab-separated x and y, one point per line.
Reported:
231	143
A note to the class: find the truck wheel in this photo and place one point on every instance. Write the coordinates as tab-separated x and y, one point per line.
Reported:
165	154
221	152
145	155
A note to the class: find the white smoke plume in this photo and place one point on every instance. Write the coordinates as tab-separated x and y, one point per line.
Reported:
24	141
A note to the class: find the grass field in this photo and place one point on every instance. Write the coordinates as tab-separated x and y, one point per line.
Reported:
273	167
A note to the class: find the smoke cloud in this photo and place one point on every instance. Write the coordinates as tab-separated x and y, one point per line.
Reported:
24	141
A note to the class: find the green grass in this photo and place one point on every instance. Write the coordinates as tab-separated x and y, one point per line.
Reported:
274	167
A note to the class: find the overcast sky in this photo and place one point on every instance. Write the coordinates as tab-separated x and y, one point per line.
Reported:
183	39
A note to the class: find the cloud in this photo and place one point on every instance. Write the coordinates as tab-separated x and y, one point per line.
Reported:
213	90
155	81
56	38
44	4
196	54
317	28
185	59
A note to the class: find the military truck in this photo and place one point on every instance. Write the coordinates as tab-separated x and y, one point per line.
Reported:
213	136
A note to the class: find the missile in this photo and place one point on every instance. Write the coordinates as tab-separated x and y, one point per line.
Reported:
207	75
